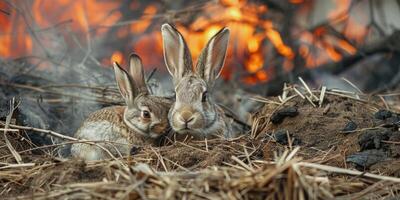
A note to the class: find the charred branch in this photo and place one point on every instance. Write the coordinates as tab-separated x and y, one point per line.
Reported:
4	12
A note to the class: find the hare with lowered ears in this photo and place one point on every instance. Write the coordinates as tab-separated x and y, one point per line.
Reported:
194	112
142	121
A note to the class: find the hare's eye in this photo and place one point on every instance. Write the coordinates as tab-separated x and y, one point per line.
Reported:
204	97
145	114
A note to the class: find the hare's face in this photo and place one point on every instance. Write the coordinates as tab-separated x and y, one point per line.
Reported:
148	115
192	111
145	113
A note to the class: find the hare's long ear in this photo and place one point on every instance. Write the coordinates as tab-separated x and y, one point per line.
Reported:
176	53
137	73
125	84
212	57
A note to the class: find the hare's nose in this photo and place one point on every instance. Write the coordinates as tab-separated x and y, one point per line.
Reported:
186	117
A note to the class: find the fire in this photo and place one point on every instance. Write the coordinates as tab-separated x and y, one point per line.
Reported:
255	63
230	2
347	47
248	33
322	44
20	40
276	39
234	13
151	46
333	53
145	20
117	57
256	40
296	1
253	44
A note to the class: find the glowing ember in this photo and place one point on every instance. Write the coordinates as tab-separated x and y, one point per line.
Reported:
117	57
347	47
276	39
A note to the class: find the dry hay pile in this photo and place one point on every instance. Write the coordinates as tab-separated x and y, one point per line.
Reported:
309	163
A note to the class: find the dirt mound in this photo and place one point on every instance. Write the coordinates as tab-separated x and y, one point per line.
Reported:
334	134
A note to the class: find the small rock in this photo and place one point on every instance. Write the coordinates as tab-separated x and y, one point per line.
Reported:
383	114
279	115
393	120
135	150
281	138
367	158
350	126
371	139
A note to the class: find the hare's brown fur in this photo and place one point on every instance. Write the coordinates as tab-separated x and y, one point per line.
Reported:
194	112
142	121
115	114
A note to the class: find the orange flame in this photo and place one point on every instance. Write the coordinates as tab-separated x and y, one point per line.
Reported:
276	40
347	47
117	57
144	22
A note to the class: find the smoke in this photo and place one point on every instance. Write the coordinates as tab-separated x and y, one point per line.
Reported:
60	82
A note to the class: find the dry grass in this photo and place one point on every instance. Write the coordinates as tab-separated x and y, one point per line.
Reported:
284	178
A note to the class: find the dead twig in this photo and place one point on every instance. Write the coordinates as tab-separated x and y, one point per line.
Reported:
16	155
348	171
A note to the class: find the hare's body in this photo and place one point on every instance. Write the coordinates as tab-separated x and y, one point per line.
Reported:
194	112
142	121
106	125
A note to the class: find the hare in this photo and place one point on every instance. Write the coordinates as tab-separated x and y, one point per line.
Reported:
142	121
194	112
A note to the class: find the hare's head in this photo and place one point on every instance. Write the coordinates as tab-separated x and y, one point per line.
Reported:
145	113
194	111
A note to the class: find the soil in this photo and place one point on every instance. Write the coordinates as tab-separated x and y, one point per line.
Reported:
319	133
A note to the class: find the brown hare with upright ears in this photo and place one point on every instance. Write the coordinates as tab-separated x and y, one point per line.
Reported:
194	112
142	121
